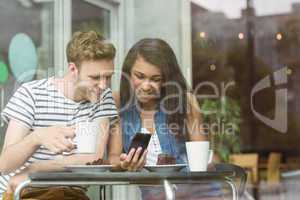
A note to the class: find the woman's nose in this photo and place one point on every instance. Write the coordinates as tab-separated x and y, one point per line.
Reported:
146	85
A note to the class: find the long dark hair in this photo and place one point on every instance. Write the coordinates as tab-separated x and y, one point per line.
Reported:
157	52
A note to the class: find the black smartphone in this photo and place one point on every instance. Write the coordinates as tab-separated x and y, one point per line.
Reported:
140	140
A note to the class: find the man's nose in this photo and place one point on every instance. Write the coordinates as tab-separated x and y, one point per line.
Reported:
103	83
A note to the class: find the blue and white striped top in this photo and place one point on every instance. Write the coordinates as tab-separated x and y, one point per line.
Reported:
39	104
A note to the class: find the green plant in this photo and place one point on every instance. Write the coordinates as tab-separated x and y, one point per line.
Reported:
222	120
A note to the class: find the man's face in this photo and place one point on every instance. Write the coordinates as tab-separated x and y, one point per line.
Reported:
93	78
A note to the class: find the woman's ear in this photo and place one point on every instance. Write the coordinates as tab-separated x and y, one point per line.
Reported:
73	69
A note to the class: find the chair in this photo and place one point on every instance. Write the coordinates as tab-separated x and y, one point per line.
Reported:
248	161
273	168
240	175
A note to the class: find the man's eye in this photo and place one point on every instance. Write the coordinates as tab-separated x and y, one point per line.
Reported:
157	80
95	78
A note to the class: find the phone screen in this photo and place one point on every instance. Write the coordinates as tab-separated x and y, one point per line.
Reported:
140	140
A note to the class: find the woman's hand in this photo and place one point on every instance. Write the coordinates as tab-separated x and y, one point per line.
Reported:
133	161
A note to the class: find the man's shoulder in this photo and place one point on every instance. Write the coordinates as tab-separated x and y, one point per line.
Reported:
41	83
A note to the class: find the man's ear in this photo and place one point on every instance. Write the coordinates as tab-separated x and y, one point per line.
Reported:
73	69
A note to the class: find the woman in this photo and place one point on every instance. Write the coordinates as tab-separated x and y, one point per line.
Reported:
154	98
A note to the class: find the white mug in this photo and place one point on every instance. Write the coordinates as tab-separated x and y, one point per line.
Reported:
86	136
199	155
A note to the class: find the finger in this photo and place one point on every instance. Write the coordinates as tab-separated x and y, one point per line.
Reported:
135	158
130	155
72	127
127	159
68	132
52	148
9	189
142	161
60	147
123	156
68	144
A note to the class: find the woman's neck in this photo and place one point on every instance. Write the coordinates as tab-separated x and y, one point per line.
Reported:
149	106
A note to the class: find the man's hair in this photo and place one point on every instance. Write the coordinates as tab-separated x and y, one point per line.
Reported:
89	46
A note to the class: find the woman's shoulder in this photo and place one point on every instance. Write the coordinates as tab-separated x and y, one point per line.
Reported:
116	96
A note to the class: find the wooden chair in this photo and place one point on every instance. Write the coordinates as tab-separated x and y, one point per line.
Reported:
273	168
249	161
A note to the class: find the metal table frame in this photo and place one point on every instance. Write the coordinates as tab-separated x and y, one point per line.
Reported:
126	178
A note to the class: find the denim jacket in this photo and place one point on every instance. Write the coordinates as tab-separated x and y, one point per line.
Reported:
131	124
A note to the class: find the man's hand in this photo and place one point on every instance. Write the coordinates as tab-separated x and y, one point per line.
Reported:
15	181
56	138
131	161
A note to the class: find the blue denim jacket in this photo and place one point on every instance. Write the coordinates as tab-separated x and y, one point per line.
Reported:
131	124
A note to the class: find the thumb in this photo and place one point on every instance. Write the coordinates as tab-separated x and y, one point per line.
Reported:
123	156
9	190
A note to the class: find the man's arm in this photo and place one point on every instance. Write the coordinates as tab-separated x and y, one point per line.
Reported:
20	143
18	146
81	159
48	165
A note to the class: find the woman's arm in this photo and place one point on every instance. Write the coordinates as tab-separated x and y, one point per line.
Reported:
115	144
116	96
194	119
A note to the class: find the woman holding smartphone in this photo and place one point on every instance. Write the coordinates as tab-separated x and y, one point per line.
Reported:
155	99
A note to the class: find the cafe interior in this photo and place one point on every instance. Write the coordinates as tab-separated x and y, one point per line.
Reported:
239	57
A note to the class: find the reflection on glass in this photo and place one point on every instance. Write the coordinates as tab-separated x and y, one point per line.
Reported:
87	16
246	41
34	18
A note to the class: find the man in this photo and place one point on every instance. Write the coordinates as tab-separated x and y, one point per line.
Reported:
41	116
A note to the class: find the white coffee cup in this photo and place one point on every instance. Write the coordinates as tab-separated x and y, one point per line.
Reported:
86	136
199	155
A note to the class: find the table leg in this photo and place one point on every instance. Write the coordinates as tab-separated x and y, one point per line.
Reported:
169	190
21	186
235	195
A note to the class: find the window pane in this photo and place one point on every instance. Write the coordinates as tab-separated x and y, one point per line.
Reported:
240	44
36	21
87	16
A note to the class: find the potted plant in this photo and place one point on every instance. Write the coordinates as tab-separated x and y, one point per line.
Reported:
222	120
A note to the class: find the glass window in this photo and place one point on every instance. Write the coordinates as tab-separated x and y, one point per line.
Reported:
244	41
36	21
88	16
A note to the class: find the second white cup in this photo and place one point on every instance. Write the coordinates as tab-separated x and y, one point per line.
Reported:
199	155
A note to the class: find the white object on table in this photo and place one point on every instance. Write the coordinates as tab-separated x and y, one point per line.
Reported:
199	155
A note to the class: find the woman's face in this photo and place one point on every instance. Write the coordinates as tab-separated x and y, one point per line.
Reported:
146	80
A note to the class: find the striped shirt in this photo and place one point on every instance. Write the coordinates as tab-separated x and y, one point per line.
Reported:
39	104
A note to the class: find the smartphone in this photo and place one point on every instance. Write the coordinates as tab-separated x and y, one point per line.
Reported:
140	140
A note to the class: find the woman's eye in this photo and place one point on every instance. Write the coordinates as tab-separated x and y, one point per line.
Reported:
139	76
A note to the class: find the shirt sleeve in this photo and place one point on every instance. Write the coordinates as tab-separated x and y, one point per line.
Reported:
20	107
106	107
